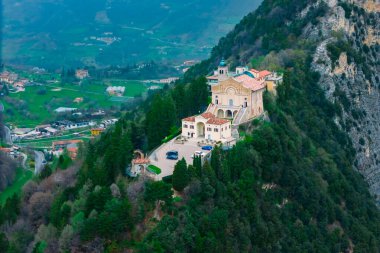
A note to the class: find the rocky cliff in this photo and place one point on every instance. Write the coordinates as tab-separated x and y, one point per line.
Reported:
347	57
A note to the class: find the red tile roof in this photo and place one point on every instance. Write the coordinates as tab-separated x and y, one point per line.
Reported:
5	150
250	83
217	121
208	115
190	119
141	161
264	73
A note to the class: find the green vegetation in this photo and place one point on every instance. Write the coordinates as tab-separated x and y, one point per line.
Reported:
154	169
181	175
22	176
37	104
175	131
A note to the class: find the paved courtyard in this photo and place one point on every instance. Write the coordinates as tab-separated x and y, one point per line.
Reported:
158	157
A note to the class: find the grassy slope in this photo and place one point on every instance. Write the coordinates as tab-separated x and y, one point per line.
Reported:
41	107
22	176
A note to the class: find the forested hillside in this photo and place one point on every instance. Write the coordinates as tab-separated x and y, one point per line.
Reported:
289	185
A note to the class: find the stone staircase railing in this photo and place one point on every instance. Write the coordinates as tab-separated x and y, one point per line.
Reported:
239	116
211	108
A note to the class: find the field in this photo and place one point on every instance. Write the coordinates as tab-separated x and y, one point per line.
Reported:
22	176
37	104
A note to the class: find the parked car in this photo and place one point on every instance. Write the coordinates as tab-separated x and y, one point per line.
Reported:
207	148
198	153
172	155
172	152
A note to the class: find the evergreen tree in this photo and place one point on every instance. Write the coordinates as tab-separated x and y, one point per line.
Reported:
180	177
4	244
216	163
197	163
198	95
179	97
46	172
126	151
159	119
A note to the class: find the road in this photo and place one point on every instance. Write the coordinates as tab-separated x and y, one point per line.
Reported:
39	158
8	139
24	158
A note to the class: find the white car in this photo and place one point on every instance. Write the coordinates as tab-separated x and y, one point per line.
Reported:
198	153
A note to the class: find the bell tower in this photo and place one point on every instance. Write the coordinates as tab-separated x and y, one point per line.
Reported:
222	70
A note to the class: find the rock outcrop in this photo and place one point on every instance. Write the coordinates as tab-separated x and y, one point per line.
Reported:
352	79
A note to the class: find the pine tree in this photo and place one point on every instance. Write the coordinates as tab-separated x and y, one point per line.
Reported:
180	177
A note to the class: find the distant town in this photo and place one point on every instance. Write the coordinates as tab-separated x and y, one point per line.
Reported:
62	129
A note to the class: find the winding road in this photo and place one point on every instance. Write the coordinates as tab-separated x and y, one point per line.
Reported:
39	158
8	138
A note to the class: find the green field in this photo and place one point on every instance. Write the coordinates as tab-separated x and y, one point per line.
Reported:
37	104
47	142
22	176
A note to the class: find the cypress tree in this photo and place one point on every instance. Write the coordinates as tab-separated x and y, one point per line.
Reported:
180	177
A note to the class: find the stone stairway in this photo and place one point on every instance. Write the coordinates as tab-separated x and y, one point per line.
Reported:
238	118
211	108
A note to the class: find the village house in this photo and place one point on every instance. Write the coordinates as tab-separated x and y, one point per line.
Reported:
81	74
57	145
10	152
78	100
65	109
139	165
71	146
96	131
115	90
46	130
8	77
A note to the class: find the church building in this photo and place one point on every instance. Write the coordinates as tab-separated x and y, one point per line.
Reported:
237	97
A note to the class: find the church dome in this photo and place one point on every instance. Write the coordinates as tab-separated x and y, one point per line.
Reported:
222	63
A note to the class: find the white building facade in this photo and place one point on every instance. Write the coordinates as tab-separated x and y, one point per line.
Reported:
206	126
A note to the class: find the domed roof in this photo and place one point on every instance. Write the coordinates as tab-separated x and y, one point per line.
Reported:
222	63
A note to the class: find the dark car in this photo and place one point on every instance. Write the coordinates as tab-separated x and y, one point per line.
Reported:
172	155
172	152
207	148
